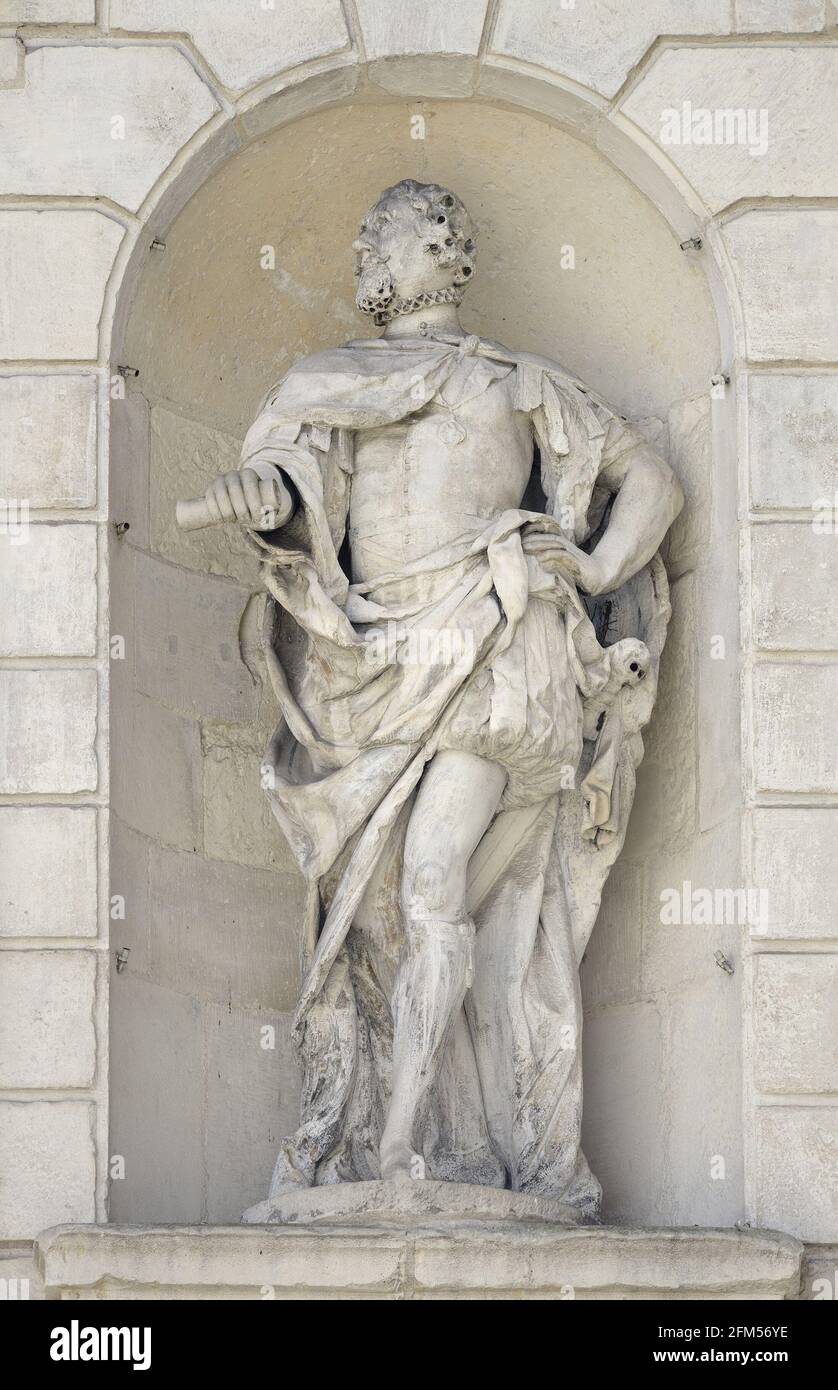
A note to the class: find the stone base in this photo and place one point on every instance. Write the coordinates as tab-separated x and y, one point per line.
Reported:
518	1259
408	1205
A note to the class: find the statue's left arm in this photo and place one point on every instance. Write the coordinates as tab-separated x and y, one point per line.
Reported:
647	499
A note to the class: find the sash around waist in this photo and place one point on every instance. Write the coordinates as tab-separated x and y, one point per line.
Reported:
420	521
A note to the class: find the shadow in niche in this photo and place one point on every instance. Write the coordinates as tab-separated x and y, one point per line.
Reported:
204	1078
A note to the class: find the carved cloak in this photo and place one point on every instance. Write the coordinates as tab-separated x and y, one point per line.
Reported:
506	1108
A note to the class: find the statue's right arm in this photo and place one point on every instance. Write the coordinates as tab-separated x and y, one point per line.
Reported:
259	496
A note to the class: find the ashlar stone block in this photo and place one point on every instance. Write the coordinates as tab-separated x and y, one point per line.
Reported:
242	43
48	440
49	258
795	1013
744	122
49	723
39	847
47	1036
794	863
49	583
786	262
793	440
794	742
780	16
794	573
109	121
48	1162
48	11
796	1155
598	43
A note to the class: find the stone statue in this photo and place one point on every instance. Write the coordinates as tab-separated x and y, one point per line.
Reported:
464	648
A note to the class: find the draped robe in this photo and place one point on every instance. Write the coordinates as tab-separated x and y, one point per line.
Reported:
360	723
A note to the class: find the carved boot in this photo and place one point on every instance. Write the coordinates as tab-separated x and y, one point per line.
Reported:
435	972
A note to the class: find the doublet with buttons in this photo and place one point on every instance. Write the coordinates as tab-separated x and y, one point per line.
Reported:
440	473
444	631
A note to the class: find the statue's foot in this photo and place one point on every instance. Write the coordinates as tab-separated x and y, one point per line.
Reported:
398	1158
479	1167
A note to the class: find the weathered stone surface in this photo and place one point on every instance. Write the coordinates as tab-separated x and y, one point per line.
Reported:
109	1261
793	439
50	587
597	43
641	1116
425	76
691	456
49	723
129	882
794	572
664	810
786	261
155	770
299	94
41	846
416	1204
611	964
48	258
121	639
238	823
222	1259
48	440
794	748
11	61
795	1013
434	27
161	1141
243	44
253	1099
223	933
130	447
796	1155
702	1109
186	643
185	457
678	954
503	79
717	673
795	863
610	1263
47	1037
48	11
48	1163
623	1062
110	120
781	143
780	16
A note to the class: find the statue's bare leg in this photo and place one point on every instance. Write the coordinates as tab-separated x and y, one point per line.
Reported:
456	801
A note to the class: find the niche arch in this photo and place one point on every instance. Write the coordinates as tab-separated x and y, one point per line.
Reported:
580	259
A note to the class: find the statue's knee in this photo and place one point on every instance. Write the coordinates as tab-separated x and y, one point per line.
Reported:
430	892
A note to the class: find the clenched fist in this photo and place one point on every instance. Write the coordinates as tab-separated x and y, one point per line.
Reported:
261	503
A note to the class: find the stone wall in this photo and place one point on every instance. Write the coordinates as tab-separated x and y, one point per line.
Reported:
111	115
209	309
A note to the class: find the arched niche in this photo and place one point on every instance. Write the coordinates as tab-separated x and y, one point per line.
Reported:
576	262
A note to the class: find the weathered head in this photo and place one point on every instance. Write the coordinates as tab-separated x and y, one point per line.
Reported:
417	238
